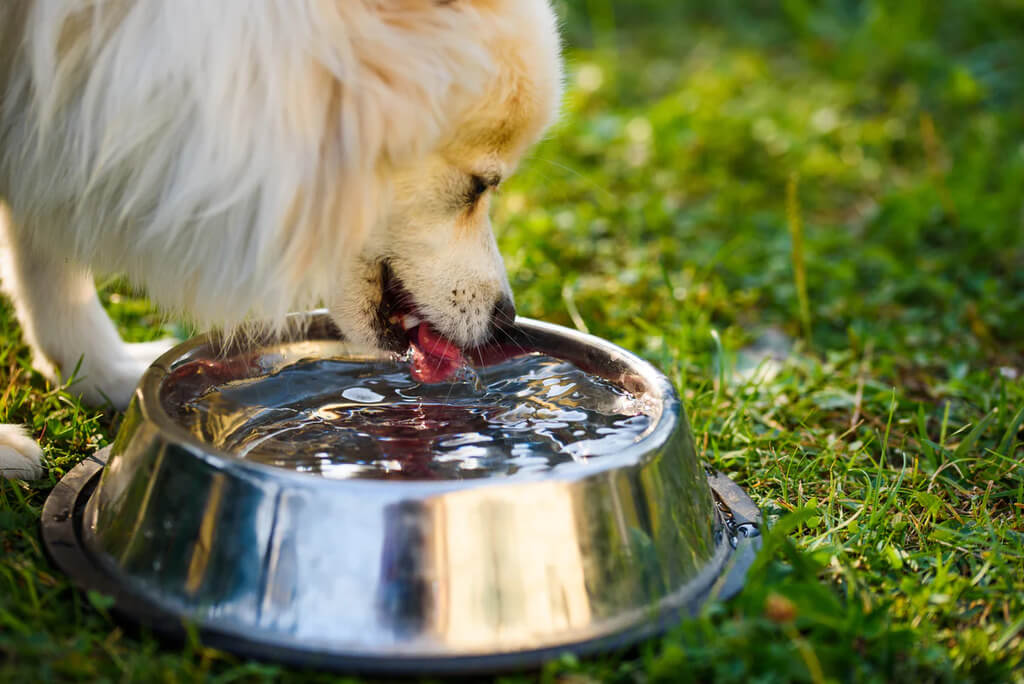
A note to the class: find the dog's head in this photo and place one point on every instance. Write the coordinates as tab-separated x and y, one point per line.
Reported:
429	269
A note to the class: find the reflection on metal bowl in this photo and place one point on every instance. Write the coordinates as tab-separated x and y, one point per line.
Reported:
413	575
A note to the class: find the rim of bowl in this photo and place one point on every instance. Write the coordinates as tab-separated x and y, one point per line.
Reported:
649	443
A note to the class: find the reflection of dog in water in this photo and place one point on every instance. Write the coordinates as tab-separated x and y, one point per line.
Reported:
246	159
407	434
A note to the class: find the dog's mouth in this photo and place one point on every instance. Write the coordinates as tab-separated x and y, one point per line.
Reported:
402	326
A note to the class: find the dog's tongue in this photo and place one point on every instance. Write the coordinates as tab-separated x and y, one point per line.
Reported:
434	358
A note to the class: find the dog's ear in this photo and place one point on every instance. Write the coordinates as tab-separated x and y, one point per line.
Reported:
403	91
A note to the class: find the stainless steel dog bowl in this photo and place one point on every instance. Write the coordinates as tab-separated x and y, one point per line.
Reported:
436	576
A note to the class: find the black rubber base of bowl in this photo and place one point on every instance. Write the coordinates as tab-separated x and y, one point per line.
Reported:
61	529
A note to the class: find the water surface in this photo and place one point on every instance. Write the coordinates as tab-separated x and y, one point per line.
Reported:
343	419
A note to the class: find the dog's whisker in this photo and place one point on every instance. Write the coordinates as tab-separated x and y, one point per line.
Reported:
513	340
451	388
578	174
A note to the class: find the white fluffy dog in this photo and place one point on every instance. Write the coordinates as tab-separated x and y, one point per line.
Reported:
240	159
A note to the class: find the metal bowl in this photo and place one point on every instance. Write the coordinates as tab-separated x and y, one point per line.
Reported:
401	576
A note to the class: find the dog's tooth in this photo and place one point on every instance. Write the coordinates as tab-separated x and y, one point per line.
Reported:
410	321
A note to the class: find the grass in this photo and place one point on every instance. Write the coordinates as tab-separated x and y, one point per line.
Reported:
811	215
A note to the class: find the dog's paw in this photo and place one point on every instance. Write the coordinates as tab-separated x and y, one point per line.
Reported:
20	455
115	378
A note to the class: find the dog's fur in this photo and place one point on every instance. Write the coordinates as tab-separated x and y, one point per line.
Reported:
240	159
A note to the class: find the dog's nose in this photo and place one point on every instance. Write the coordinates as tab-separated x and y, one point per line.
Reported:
503	315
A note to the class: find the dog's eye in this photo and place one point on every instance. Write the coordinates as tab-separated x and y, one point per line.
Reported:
477	187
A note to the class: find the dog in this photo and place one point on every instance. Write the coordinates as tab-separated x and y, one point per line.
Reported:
241	159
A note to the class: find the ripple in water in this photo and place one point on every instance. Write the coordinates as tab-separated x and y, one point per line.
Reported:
344	419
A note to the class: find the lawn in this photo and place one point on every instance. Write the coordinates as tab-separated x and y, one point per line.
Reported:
810	214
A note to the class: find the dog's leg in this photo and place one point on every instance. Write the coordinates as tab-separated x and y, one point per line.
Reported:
20	456
66	327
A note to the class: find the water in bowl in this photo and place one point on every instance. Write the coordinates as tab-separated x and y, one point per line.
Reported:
345	419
